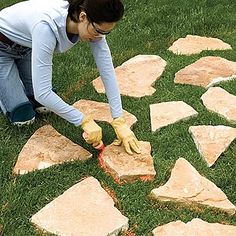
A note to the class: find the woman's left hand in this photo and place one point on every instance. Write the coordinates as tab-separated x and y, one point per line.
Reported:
125	136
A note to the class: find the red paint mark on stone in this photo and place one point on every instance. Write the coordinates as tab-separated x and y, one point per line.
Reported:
103	165
129	233
146	178
116	179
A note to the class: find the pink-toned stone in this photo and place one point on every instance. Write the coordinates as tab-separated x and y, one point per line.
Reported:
193	44
124	167
196	227
46	147
212	141
206	72
101	111
166	113
186	185
136	76
220	101
85	209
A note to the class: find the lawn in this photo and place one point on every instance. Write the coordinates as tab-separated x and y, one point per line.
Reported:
148	27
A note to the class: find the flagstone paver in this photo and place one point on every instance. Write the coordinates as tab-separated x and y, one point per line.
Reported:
136	76
193	44
127	168
188	186
212	141
196	227
101	111
46	147
206	72
220	101
85	209
166	113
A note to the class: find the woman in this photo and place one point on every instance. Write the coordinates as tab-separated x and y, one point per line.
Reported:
30	32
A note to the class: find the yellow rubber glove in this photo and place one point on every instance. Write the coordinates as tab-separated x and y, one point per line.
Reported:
92	130
125	136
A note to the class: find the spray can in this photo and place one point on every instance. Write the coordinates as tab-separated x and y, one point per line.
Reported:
100	146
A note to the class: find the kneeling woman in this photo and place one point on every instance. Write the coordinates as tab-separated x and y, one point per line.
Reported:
30	33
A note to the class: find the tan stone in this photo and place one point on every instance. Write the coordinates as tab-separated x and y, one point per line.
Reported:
220	101
124	167
196	227
85	209
186	185
206	72
47	147
193	44
176	228
136	76
212	141
101	112
166	113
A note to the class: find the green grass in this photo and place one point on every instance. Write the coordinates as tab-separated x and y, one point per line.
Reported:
149	27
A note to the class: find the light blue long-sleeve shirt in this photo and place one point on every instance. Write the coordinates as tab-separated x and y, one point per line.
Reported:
41	25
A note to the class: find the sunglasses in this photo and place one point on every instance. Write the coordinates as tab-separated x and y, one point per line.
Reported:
99	31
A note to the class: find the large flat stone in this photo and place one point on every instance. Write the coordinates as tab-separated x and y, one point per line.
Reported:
136	76
193	44
220	101
127	168
212	141
166	113
46	147
101	111
186	185
85	209
196	227
206	72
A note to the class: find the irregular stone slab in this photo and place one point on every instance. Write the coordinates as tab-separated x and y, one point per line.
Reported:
212	141
186	185
47	147
193	44
101	111
206	72
85	209
166	113
220	101
127	168
136	76
194	227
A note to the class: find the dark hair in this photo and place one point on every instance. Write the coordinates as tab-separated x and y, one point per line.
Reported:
98	11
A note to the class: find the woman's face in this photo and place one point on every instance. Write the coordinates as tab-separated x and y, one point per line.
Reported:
90	31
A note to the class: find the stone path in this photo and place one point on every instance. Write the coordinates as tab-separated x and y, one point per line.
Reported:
101	112
196	227
126	168
165	113
136	76
86	208
193	44
206	72
212	141
47	147
186	185
220	101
